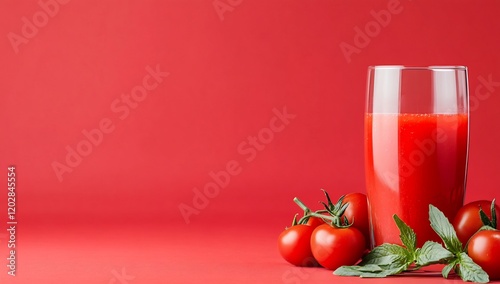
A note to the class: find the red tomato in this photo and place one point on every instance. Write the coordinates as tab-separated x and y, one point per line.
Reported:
294	245
484	249
357	214
333	247
467	220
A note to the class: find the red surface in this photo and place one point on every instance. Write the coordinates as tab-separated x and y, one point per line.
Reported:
414	160
231	69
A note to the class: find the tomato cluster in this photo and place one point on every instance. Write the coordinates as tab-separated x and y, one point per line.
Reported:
476	227
335	236
339	234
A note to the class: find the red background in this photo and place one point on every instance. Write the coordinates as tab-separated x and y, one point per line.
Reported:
117	211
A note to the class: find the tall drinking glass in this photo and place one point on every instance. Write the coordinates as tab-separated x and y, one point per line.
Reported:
416	146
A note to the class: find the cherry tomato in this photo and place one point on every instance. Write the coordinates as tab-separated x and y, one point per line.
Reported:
357	214
333	247
294	245
467	221
484	249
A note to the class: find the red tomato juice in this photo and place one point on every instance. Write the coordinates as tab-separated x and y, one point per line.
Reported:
413	160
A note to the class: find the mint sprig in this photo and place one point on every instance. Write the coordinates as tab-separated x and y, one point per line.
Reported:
391	259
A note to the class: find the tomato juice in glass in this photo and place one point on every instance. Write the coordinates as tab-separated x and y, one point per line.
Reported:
416	147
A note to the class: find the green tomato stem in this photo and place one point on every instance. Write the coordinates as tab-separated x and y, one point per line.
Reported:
294	222
301	204
324	217
493	214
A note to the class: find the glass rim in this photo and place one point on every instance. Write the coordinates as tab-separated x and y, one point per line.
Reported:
428	68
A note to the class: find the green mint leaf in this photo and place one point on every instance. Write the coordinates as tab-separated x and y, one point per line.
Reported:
432	253
348	271
447	269
387	254
394	269
370	268
358	270
382	261
369	271
379	259
468	270
445	230
406	234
